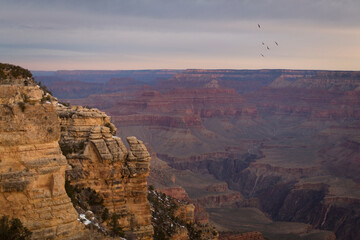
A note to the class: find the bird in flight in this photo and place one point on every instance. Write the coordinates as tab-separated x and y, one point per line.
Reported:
267	47
262	55
263	43
259	25
276	43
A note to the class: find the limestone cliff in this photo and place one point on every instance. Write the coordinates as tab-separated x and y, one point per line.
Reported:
101	161
32	167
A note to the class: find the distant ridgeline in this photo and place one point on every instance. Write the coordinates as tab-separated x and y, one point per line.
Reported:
9	74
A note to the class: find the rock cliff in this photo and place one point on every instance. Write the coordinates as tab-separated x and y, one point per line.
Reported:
101	162
32	167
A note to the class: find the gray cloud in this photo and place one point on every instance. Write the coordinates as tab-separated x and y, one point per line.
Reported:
91	13
206	30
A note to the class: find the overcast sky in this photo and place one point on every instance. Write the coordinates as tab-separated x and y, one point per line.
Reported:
178	34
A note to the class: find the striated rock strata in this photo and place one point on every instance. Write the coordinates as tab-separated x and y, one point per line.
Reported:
32	167
102	162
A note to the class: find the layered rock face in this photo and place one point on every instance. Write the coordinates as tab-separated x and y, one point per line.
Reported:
32	167
102	162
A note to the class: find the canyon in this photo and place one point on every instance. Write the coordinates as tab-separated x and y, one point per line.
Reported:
65	175
283	142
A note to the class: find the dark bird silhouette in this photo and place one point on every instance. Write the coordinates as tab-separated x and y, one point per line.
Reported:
262	55
276	43
267	47
263	43
259	25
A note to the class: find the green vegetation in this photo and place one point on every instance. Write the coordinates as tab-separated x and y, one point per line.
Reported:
163	217
66	114
44	88
94	198
164	221
13	229
9	71
87	199
22	106
71	192
72	148
194	233
115	228
105	215
46	98
25	98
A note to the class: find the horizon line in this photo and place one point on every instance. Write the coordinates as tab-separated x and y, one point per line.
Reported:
185	69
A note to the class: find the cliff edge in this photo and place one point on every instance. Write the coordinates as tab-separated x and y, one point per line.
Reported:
32	167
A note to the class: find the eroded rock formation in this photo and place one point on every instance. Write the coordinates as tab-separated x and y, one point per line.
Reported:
32	167
101	161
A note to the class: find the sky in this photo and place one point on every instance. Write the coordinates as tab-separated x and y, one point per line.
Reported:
180	34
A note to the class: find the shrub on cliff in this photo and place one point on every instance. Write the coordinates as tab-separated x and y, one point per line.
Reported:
115	228
105	215
163	214
13	229
22	106
87	199
166	224
8	71
44	88
70	190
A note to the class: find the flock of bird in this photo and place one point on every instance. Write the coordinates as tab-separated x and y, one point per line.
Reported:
267	46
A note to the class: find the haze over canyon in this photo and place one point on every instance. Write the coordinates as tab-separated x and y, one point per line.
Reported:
270	151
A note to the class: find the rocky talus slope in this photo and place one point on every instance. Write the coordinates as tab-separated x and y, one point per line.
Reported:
32	167
101	162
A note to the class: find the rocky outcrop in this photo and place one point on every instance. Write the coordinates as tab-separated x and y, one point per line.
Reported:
186	213
176	192
102	162
32	167
174	219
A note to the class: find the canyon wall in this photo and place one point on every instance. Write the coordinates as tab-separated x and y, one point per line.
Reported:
32	167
